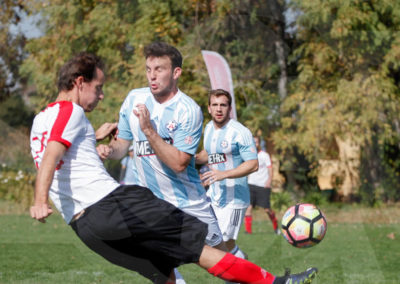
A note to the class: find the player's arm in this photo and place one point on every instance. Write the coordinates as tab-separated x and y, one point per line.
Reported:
108	129
269	181
242	170
175	159
51	157
117	149
202	157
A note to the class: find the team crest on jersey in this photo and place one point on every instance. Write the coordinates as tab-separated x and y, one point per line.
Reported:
216	158
172	126
224	144
189	140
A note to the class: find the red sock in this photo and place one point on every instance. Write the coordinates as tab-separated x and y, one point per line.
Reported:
234	269
272	217
247	223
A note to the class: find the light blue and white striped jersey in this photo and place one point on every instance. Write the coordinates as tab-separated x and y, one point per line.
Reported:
179	122
227	148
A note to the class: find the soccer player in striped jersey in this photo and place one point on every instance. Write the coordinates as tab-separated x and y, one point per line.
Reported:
166	126
230	153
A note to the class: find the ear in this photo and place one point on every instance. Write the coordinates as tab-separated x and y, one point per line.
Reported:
209	109
79	82
177	73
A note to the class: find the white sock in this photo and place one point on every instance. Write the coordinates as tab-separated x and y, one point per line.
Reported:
179	277
237	252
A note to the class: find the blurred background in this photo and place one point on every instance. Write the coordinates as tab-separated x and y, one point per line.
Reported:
318	80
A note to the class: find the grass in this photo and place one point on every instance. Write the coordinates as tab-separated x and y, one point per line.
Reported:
361	246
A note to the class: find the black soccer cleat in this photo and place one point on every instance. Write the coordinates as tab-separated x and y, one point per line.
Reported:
300	278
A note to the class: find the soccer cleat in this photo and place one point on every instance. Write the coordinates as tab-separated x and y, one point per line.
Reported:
300	278
277	231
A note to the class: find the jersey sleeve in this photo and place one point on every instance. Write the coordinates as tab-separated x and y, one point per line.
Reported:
247	148
68	124
124	130
187	136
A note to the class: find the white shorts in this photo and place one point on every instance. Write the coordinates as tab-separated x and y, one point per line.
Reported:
229	220
205	213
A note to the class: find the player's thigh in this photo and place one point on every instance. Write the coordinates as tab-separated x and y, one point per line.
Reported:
119	252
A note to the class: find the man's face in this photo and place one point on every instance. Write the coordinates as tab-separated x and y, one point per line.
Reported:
160	76
91	92
219	110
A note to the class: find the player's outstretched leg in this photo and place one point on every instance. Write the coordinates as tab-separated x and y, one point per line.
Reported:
230	268
301	278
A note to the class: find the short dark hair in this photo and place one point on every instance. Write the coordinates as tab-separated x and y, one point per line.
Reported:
83	64
218	93
159	49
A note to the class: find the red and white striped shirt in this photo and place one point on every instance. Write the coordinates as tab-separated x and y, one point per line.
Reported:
80	179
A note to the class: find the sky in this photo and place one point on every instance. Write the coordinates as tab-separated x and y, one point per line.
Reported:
28	26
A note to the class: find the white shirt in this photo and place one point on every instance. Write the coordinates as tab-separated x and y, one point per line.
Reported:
80	179
261	176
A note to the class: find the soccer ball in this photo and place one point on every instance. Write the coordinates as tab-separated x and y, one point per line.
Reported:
304	225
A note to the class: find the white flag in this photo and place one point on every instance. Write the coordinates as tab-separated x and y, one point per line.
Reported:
220	75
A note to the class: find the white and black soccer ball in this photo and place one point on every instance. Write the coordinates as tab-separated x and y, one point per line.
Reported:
304	225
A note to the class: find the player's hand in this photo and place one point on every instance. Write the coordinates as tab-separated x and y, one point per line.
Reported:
107	129
212	176
143	114
104	151
40	212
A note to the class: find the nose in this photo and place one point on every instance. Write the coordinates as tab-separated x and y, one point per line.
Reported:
152	75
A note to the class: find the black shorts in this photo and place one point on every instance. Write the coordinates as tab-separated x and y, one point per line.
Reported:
134	229
260	196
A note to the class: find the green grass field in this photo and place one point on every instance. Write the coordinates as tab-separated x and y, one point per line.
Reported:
361	246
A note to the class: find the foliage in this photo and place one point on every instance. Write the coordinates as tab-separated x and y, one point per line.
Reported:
118	31
343	84
348	83
15	150
341	62
315	198
15	105
281	200
11	47
244	32
16	186
115	30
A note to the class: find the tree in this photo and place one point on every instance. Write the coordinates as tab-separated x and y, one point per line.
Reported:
11	47
348	82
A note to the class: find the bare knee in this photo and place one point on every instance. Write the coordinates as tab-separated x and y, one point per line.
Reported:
210	257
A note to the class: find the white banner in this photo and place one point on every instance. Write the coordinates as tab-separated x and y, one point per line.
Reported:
220	75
